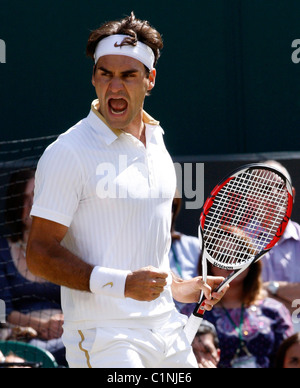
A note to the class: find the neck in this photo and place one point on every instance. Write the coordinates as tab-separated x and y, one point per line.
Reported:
137	129
141	134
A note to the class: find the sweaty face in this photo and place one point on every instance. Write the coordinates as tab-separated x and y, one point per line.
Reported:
121	85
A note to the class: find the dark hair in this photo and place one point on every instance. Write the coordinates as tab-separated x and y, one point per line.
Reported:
284	347
15	199
208	328
138	30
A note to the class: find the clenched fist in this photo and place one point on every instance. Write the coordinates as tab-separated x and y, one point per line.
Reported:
146	284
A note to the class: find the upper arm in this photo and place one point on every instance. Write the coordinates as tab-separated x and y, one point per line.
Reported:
48	259
44	236
47	231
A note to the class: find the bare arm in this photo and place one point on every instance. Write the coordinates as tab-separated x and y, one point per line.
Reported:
289	291
286	294
46	328
46	257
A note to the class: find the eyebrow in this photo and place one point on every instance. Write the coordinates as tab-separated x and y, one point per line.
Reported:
127	72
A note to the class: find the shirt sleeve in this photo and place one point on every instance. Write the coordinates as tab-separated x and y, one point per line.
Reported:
267	272
282	325
58	185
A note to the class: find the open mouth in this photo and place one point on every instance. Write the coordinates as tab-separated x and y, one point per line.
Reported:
117	106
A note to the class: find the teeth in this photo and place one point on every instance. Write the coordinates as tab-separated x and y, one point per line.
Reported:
117	113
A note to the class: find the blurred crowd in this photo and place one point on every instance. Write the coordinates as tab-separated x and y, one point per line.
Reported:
256	325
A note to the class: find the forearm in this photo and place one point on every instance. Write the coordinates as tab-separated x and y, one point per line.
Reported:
287	291
58	265
188	291
18	319
286	294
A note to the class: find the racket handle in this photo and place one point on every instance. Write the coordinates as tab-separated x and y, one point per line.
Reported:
221	286
225	282
192	327
196	318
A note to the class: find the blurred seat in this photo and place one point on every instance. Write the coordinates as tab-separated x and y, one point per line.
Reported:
29	353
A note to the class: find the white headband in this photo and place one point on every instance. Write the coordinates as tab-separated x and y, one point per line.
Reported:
110	46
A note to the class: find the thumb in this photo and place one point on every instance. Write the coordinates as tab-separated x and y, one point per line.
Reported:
205	288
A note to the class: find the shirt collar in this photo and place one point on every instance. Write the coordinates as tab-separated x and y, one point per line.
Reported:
111	134
149	120
291	232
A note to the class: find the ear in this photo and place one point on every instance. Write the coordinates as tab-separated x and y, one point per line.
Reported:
93	77
152	78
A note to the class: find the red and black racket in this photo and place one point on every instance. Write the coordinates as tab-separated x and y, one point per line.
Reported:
243	218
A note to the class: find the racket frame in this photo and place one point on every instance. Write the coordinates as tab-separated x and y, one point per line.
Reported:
196	318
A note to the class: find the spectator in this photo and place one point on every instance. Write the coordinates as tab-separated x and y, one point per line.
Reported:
281	266
30	301
288	356
185	250
250	325
206	346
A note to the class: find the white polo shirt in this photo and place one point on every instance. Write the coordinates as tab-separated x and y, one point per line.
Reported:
115	196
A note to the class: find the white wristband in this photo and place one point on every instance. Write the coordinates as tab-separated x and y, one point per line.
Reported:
108	281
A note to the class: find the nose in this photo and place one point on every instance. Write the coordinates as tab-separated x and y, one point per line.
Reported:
116	84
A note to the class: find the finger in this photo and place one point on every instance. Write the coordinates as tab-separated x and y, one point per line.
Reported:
159	283
219	295
216	297
159	280
205	288
155	272
215	281
208	306
160	275
156	291
153	296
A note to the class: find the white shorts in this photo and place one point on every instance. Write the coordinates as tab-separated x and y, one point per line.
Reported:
129	348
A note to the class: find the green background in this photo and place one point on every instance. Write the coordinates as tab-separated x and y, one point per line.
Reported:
226	81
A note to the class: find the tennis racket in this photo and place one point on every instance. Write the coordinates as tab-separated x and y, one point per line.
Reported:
243	218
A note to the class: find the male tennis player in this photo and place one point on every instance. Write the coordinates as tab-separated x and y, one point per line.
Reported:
102	216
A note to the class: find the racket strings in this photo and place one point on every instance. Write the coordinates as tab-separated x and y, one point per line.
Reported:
245	216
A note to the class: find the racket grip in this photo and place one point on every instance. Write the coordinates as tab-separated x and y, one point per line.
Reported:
192	327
